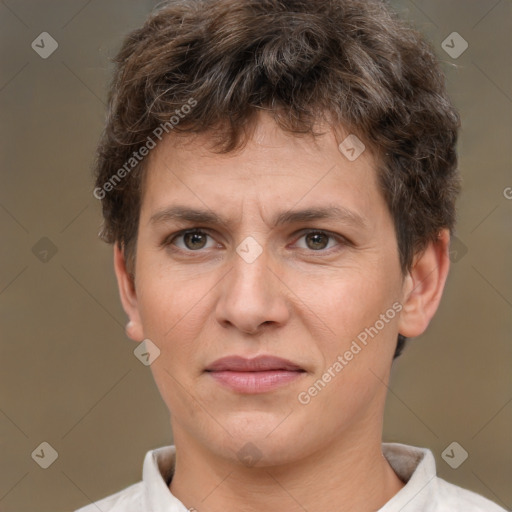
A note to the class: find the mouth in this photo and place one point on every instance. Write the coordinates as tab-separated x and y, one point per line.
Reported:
259	375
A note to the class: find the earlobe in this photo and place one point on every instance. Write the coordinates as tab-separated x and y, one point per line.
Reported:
423	287
128	295
132	331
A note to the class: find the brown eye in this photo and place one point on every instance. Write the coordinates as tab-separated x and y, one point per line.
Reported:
190	241
195	240
320	241
317	241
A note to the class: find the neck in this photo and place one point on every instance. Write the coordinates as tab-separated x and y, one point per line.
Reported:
349	475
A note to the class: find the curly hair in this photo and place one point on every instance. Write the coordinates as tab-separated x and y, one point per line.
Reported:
349	63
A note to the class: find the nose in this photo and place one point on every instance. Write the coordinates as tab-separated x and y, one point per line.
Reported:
252	296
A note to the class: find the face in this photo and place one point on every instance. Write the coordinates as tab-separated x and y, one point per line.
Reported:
320	287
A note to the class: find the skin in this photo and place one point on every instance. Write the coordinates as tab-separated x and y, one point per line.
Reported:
302	299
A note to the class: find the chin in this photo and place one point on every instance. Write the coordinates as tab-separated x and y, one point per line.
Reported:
259	440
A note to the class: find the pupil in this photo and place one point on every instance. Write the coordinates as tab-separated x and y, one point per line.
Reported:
315	237
195	238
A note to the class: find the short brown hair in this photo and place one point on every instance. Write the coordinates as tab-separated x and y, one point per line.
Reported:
350	63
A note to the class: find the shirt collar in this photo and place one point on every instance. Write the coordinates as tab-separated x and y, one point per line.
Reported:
415	466
157	472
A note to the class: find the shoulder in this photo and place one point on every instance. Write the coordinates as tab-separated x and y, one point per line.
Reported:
127	500
423	489
148	494
451	498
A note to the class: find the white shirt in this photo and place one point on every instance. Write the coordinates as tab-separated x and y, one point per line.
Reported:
423	491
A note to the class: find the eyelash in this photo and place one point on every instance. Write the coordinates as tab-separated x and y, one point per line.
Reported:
168	241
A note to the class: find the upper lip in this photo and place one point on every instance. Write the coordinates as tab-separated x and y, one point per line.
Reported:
258	364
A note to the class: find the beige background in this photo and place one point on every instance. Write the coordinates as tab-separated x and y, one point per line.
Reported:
68	373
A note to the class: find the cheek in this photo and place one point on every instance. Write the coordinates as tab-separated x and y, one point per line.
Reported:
361	352
169	302
352	301
359	355
172	313
176	311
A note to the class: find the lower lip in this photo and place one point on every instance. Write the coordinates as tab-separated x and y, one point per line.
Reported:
255	382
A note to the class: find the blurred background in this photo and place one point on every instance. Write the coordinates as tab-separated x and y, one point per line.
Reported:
68	374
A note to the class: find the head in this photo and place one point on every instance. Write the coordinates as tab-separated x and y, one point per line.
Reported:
250	111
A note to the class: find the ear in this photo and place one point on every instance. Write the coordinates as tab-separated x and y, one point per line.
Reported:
128	295
424	285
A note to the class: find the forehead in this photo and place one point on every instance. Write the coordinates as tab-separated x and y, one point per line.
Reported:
273	171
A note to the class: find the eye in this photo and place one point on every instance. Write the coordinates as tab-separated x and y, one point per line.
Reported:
193	240
318	240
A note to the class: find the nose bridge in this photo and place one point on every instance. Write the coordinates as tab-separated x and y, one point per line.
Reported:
250	275
250	294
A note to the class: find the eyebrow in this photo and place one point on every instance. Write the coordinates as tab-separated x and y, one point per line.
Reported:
330	212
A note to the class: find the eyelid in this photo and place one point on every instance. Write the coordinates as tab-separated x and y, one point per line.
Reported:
167	241
339	238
